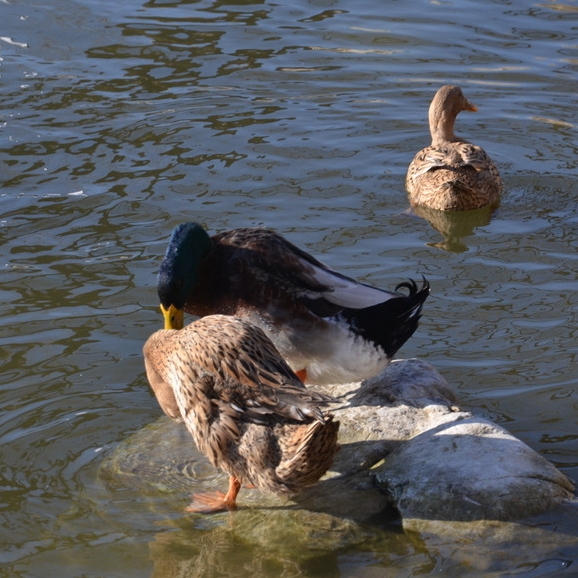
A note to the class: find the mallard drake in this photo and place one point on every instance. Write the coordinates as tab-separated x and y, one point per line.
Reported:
243	405
328	327
452	174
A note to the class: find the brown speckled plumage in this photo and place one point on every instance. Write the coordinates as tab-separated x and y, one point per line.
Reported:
245	408
452	173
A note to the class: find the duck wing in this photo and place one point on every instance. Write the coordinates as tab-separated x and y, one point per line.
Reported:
472	155
232	366
257	383
454	155
277	265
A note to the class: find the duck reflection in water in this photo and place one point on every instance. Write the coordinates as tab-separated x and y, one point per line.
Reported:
453	225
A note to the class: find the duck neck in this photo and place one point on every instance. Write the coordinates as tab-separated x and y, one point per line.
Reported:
441	126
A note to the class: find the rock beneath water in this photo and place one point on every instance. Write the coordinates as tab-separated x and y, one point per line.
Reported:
404	442
546	545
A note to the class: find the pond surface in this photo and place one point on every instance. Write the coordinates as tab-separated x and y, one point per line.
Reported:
118	120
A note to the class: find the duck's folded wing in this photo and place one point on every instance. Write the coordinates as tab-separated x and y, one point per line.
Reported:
343	292
256	395
289	405
248	373
269	388
437	157
474	156
276	262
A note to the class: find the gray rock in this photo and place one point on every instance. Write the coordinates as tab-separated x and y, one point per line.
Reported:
440	463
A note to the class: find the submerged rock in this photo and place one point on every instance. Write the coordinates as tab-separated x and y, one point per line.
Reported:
404	443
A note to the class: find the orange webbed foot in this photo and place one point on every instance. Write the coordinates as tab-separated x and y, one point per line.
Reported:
212	502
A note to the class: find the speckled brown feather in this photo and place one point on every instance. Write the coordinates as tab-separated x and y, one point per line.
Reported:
245	408
452	173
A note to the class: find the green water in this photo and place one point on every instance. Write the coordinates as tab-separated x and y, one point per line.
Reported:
120	120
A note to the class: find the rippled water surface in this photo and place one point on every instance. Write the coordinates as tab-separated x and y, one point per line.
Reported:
119	120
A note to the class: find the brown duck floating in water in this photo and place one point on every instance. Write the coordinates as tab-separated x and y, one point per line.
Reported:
452	174
243	405
328	327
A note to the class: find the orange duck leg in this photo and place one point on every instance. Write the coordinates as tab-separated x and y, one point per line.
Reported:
212	502
301	374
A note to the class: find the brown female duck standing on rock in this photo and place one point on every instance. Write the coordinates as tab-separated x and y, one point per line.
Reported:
328	327
245	408
452	174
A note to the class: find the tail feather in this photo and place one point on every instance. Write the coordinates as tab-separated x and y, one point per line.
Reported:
309	455
390	324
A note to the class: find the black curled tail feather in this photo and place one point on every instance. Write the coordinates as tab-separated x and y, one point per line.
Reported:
391	323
